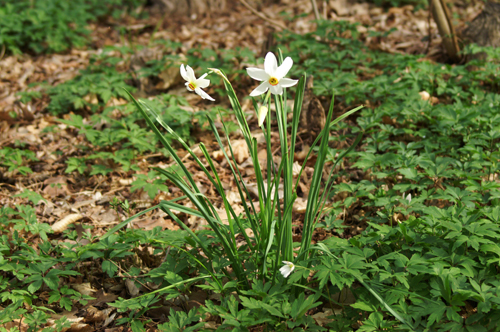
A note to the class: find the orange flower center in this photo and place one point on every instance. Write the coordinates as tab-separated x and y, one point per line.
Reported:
191	86
273	81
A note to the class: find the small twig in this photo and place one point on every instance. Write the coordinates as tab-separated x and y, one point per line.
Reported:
159	154
166	256
262	16
98	185
3	52
315	8
442	16
115	190
129	275
430	30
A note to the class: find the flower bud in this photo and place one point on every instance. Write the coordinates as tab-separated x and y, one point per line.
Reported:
261	114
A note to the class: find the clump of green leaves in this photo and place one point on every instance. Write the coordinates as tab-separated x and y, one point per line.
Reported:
114	131
28	272
92	88
432	256
16	160
52	25
118	138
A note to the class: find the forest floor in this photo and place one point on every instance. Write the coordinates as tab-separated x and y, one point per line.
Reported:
35	129
72	154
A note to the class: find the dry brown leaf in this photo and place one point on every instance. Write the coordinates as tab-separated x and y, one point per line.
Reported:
299	205
218	155
340	7
80	327
252	188
197	299
296	167
223	215
77	323
170	76
101	298
109	320
84	288
94	315
321	318
301	155
157	221
232	197
16	324
63	224
91	99
211	325
131	287
262	156
240	150
106	216
56	186
345	297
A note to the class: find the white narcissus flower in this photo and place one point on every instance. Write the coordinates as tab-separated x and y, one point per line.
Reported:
408	197
272	76
287	268
194	84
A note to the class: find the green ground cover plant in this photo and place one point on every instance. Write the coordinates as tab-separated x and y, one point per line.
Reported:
53	25
120	140
427	258
92	88
445	155
16	160
113	130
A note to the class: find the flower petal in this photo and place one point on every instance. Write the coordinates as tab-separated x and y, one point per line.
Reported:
190	74
285	271
258	74
183	73
260	89
270	64
284	68
203	94
287	82
202	82
287	268
276	89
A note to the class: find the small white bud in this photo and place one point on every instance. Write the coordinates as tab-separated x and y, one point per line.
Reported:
261	114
